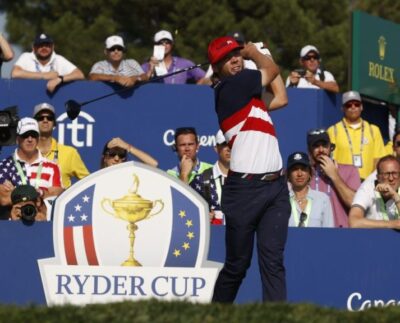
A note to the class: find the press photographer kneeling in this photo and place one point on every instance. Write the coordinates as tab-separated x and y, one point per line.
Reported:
27	205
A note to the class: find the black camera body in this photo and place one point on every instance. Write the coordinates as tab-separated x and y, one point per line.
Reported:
301	72
28	212
8	126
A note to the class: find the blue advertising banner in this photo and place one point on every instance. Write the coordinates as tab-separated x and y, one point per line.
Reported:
146	117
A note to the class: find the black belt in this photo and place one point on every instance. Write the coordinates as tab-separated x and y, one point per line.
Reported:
267	177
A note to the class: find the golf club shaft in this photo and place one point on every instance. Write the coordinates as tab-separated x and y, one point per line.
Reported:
154	79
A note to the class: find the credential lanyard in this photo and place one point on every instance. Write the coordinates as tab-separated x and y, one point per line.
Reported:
349	139
296	214
24	178
382	207
317	176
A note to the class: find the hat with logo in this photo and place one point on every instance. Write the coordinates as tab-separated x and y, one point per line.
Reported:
317	135
114	41
220	47
43	107
298	158
306	49
43	39
350	96
24	193
239	37
220	138
163	34
27	124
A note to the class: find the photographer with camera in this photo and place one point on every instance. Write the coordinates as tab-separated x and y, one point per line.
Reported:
27	204
337	180
311	75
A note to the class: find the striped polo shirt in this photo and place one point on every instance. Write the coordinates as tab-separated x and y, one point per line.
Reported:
246	123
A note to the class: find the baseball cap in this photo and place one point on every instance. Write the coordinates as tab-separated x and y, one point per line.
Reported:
350	96
220	138
298	158
114	41
220	47
316	135
306	49
163	34
27	124
43	39
239	37
23	193
43	107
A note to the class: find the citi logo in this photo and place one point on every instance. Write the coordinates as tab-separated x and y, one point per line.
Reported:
79	133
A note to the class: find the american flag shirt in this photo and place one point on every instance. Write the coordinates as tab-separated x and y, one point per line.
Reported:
50	175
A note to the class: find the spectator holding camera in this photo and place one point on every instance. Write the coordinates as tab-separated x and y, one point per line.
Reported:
116	68
27	204
311	75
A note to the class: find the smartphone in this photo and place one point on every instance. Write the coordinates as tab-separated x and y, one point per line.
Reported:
159	52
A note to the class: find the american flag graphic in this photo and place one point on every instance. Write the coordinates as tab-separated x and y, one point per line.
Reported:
78	230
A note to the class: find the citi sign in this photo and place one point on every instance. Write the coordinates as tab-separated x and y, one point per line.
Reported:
80	134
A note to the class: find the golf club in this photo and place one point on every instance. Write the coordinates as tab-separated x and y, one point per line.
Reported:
74	108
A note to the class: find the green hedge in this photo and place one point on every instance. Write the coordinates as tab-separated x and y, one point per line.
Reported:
154	311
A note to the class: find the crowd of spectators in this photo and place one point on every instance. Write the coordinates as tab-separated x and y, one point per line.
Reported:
345	179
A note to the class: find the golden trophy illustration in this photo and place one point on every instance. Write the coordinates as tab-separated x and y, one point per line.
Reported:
132	208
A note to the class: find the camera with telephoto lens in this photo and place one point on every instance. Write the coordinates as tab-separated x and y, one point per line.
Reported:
28	212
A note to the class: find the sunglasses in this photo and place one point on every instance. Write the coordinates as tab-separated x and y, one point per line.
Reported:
32	134
310	57
112	154
164	42
116	48
45	117
303	218
350	104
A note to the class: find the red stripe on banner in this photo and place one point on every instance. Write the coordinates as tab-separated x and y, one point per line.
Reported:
241	115
258	124
69	246
89	245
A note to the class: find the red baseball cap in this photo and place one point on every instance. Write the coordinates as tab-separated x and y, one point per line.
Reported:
220	47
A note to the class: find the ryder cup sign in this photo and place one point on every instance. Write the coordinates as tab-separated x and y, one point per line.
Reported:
129	232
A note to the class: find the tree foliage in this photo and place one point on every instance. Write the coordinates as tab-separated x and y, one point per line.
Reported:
80	27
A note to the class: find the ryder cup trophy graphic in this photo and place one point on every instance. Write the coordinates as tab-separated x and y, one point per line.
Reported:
132	208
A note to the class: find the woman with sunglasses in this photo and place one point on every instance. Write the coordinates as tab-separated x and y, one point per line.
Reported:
310	208
116	151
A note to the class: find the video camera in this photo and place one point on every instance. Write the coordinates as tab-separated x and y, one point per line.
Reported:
8	126
301	72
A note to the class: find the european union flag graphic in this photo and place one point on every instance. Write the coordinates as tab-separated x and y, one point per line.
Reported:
78	230
185	234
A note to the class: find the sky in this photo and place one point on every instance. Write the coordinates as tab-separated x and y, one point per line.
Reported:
6	68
